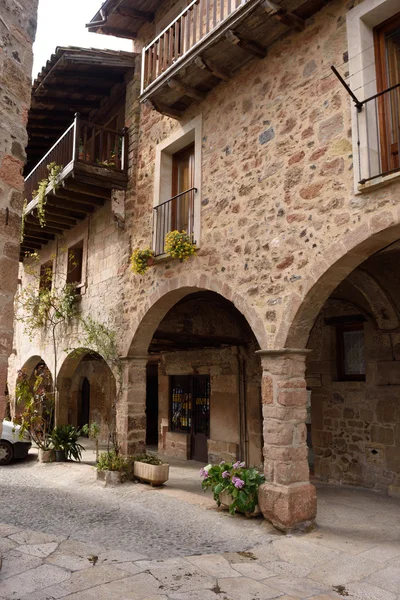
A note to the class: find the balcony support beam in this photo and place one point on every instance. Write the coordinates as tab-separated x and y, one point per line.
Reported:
284	16
185	90
127	11
164	110
250	47
206	65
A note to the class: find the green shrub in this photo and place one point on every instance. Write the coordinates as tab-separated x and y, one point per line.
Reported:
149	459
111	461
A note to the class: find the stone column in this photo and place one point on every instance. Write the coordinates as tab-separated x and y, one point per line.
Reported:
287	499
131	406
61	402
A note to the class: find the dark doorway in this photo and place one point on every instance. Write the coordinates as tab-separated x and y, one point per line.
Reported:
190	411
152	405
84	412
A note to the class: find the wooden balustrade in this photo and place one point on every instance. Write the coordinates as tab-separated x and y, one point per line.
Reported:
84	142
189	28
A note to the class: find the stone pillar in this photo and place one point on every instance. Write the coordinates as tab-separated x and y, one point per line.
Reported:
287	499
131	406
61	402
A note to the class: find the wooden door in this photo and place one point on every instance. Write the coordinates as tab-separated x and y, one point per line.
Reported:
200	417
183	180
190	411
387	44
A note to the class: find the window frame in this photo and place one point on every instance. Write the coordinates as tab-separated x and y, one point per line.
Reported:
81	245
341	329
382	85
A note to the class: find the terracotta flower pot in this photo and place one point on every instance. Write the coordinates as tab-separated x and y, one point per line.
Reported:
153	474
150	261
46	456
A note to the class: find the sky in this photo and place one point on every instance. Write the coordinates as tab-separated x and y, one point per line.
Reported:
62	23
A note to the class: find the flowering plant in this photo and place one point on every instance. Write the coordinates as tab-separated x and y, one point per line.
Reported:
178	244
239	482
140	260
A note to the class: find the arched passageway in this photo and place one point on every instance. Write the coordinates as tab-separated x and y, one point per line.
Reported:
87	392
33	368
202	381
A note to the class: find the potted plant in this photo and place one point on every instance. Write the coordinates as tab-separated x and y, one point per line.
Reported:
149	468
35	409
65	442
141	260
178	244
234	486
92	431
111	468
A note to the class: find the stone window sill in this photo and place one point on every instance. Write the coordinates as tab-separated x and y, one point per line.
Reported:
378	182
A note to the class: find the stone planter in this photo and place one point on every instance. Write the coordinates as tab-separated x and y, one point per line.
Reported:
109	477
154	474
46	456
226	499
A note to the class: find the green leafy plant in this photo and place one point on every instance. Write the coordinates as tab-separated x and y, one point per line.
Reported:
178	244
149	459
35	406
65	437
54	171
140	260
239	482
92	431
111	461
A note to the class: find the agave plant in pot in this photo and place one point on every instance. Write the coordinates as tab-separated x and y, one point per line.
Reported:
65	442
234	486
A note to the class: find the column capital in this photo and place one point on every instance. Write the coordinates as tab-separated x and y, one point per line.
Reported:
135	360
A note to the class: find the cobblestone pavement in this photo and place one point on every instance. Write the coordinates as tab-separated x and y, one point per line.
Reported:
63	535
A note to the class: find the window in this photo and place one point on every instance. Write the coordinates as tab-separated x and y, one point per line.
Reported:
177	190
183	180
75	264
387	48
46	276
350	352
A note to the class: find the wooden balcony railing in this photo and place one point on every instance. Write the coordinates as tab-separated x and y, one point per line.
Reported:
176	213
198	20
82	142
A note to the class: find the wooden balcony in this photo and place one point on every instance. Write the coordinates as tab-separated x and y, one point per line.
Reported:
208	42
93	161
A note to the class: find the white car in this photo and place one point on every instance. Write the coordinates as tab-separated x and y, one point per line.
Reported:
12	445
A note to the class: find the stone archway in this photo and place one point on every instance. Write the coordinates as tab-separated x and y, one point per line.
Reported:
179	328
86	388
172	291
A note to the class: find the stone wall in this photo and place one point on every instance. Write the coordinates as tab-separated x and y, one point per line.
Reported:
17	33
355	424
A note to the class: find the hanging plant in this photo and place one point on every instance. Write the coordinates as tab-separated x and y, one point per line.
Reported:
141	260
178	244
52	179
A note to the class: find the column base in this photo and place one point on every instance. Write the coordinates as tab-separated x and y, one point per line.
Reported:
289	508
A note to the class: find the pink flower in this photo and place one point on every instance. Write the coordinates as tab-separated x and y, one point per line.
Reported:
238	483
225	474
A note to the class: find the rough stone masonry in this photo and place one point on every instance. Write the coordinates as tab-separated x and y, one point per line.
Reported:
17	33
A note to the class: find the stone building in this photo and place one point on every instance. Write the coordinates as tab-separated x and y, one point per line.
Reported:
279	341
17	33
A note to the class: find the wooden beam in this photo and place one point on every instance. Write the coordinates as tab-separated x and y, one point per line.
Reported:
283	15
185	90
127	11
32	236
55	220
69	204
250	47
28	246
123	33
66	103
208	66
69	216
47	228
76	197
89	190
98	90
164	110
